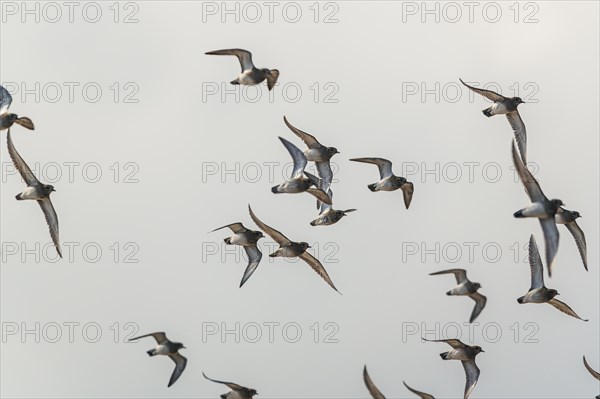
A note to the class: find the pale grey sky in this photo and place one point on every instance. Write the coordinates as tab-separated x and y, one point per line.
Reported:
148	152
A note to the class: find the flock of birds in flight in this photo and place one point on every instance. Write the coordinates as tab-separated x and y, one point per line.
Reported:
548	212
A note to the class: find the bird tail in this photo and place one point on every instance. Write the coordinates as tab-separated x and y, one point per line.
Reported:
487	112
372	187
520	300
444	355
227	240
449	293
274	189
224	396
235	82
18	197
272	78
519	214
150	352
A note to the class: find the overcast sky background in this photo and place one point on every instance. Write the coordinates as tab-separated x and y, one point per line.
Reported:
178	139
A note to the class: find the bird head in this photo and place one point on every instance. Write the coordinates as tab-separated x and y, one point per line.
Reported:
478	349
518	100
557	202
47	188
576	214
258	234
332	150
553	292
304	245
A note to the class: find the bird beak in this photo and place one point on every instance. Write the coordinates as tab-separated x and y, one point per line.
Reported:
183	347
53	189
309	246
482	350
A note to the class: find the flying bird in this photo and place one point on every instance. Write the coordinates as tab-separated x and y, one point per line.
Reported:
466	287
328	215
247	239
237	391
541	207
297	182
36	191
250	75
466	354
538	293
420	394
507	106
569	219
373	390
167	348
8	119
317	153
593	372
389	181
291	249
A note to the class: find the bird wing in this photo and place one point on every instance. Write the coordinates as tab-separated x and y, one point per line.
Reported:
579	237
535	265
235	227
459	274
551	239
472	372
320	195
5	100
373	390
531	185
326	177
20	164
384	166
519	132
230	385
160	337
297	156
308	139
563	307
454	343
325	207
180	363
52	221
490	95
593	372
254	257
244	56
317	267
420	394
407	192
480	301
274	234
